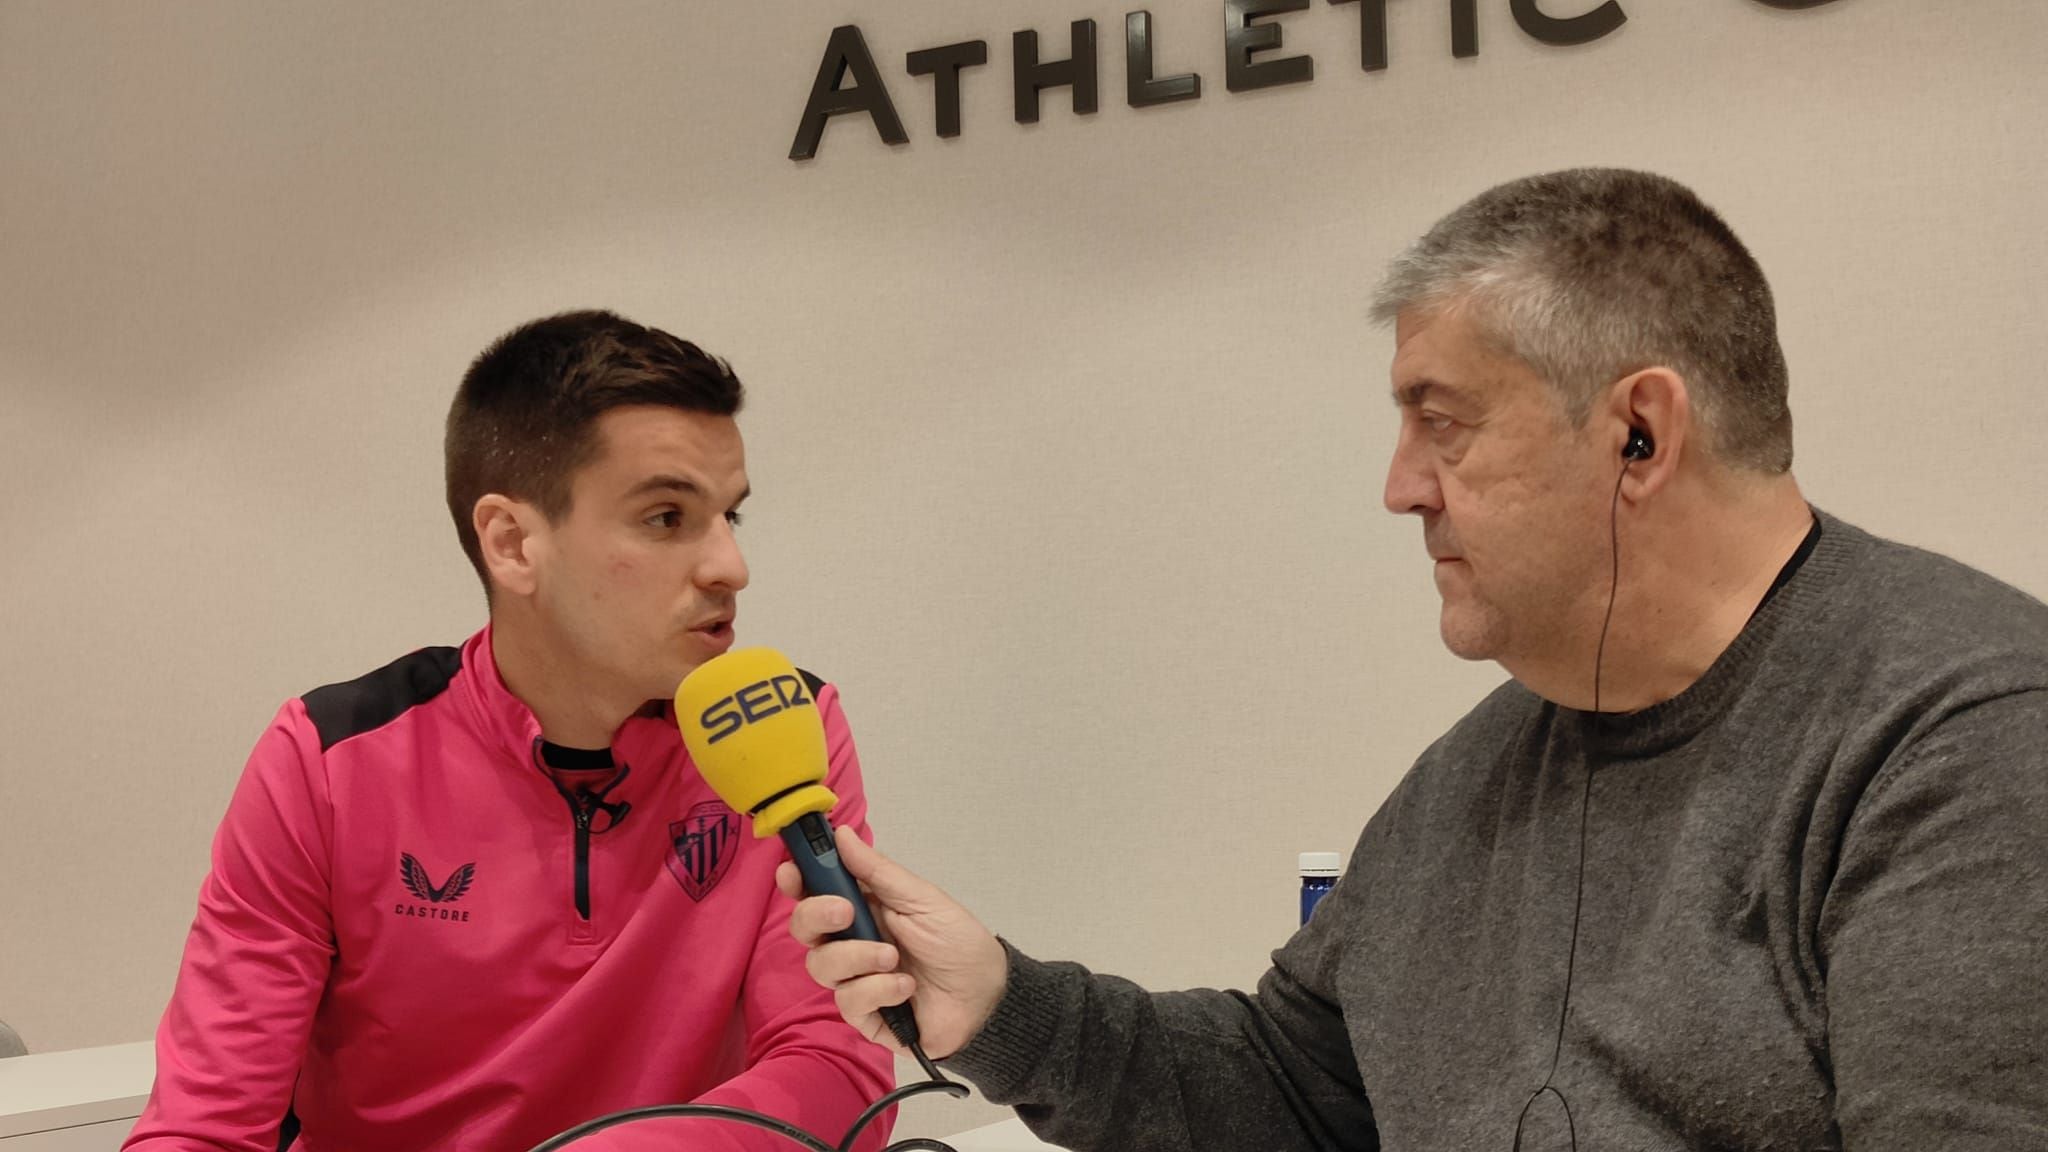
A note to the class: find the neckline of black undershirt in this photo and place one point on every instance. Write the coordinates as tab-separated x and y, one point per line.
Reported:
1791	567
566	759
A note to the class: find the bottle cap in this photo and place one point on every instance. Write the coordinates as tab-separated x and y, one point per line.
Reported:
1321	863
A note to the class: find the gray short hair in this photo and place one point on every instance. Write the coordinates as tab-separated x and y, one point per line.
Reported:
1591	274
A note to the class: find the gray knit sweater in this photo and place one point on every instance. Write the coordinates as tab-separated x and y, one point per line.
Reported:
1815	917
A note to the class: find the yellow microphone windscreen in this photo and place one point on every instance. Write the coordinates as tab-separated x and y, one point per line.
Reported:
756	736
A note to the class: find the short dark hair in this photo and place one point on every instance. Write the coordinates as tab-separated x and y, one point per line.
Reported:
524	419
1590	274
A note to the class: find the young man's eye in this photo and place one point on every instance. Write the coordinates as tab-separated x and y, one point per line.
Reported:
734	518
667	518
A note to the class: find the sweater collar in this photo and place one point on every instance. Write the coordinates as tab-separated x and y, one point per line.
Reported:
1790	607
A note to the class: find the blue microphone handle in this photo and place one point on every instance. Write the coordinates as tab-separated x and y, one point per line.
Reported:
817	859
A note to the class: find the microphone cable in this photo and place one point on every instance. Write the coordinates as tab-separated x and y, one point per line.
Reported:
796	1135
1585	807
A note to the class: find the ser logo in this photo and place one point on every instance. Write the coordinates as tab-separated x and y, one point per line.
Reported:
755	702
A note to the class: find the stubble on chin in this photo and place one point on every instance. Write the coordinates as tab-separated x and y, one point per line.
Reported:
1467	633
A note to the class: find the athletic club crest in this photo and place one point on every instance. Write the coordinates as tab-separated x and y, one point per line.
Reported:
701	845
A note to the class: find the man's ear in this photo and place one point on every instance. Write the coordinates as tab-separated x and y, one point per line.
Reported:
1656	403
512	537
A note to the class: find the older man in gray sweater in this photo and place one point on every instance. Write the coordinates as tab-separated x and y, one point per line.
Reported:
1752	852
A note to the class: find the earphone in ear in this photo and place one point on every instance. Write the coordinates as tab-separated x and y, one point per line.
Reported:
1639	446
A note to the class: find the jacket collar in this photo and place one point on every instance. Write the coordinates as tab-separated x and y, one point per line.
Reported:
502	718
508	724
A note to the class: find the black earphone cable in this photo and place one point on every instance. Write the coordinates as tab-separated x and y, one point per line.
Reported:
1585	808
796	1135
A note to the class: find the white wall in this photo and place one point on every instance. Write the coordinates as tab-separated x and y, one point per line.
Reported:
1067	438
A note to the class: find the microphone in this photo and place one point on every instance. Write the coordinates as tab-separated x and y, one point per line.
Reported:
756	736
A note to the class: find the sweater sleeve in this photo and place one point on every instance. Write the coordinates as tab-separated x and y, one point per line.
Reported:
804	1065
256	961
1095	1062
1934	938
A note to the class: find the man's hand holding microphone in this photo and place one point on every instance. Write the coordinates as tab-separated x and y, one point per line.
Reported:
949	968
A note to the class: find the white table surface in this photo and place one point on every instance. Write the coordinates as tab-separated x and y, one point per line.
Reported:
1007	1136
94	1095
51	1092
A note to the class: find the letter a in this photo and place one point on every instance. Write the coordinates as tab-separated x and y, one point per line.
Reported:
846	52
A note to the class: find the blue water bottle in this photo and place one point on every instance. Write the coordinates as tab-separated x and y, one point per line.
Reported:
1318	875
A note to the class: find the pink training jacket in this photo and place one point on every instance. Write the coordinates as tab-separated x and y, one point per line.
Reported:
390	943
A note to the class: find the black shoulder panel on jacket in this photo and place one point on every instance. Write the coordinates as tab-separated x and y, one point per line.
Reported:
340	711
812	680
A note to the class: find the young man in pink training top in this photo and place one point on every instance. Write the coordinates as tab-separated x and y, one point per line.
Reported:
481	894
